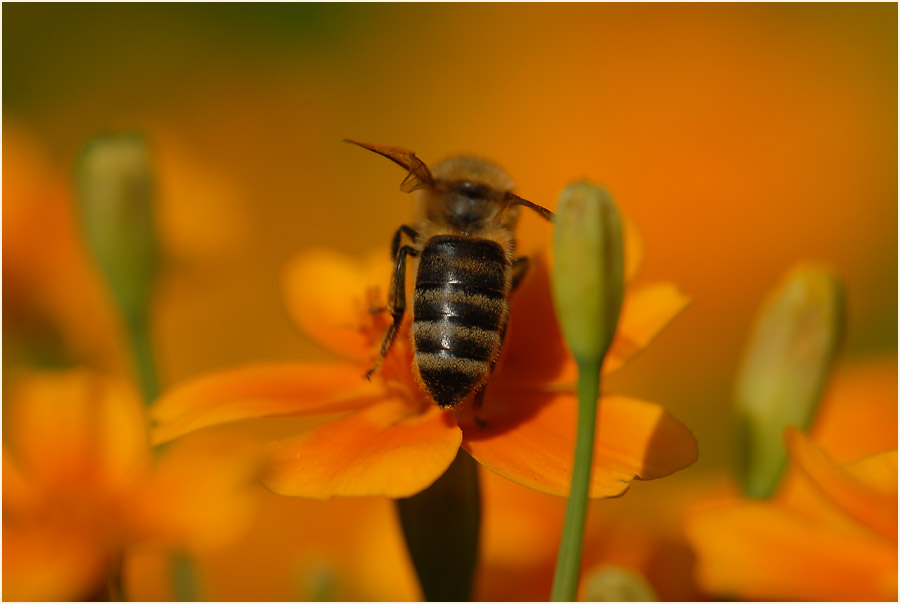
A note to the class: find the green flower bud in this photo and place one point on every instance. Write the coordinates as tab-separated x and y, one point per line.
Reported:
785	366
617	584
115	194
588	285
589	271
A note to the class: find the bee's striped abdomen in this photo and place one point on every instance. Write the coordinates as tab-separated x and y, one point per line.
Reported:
460	311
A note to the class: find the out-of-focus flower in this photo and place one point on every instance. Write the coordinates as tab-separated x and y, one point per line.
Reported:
834	537
830	532
80	485
344	549
524	431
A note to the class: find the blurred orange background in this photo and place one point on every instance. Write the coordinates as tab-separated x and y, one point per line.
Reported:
740	139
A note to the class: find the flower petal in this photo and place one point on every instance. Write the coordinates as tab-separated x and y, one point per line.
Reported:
52	561
535	354
325	297
260	391
858	416
533	347
77	429
867	490
386	449
759	551
202	494
530	438
17	496
646	310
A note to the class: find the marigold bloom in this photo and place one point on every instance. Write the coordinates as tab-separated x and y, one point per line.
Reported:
395	441
80	485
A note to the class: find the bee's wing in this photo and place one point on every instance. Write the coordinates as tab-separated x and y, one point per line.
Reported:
419	175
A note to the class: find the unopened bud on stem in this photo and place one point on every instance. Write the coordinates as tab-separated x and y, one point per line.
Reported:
785	366
589	274
115	194
588	284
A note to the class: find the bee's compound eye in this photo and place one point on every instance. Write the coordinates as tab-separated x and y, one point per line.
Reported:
474	190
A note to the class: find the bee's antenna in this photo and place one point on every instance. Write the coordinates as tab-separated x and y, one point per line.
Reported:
512	199
419	175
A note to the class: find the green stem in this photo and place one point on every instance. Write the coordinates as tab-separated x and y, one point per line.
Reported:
138	327
441	527
568	562
181	566
184	578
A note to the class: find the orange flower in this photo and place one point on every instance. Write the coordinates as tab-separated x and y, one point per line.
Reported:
395	441
80	485
347	549
830	533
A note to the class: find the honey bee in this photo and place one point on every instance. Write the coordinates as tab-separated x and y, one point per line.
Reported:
466	270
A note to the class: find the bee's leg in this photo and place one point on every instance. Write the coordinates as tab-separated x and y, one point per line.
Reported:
519	269
395	248
395	242
396	303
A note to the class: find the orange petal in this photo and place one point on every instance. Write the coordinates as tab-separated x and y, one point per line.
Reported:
260	391
52	561
535	354
202	494
385	449
325	293
867	490
77	429
530	438
533	348
646	310
858	416
17	496
758	551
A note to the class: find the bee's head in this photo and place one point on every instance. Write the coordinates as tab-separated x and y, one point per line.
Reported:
464	193
468	194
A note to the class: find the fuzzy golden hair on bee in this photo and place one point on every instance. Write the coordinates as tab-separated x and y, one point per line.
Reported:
475	169
466	269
